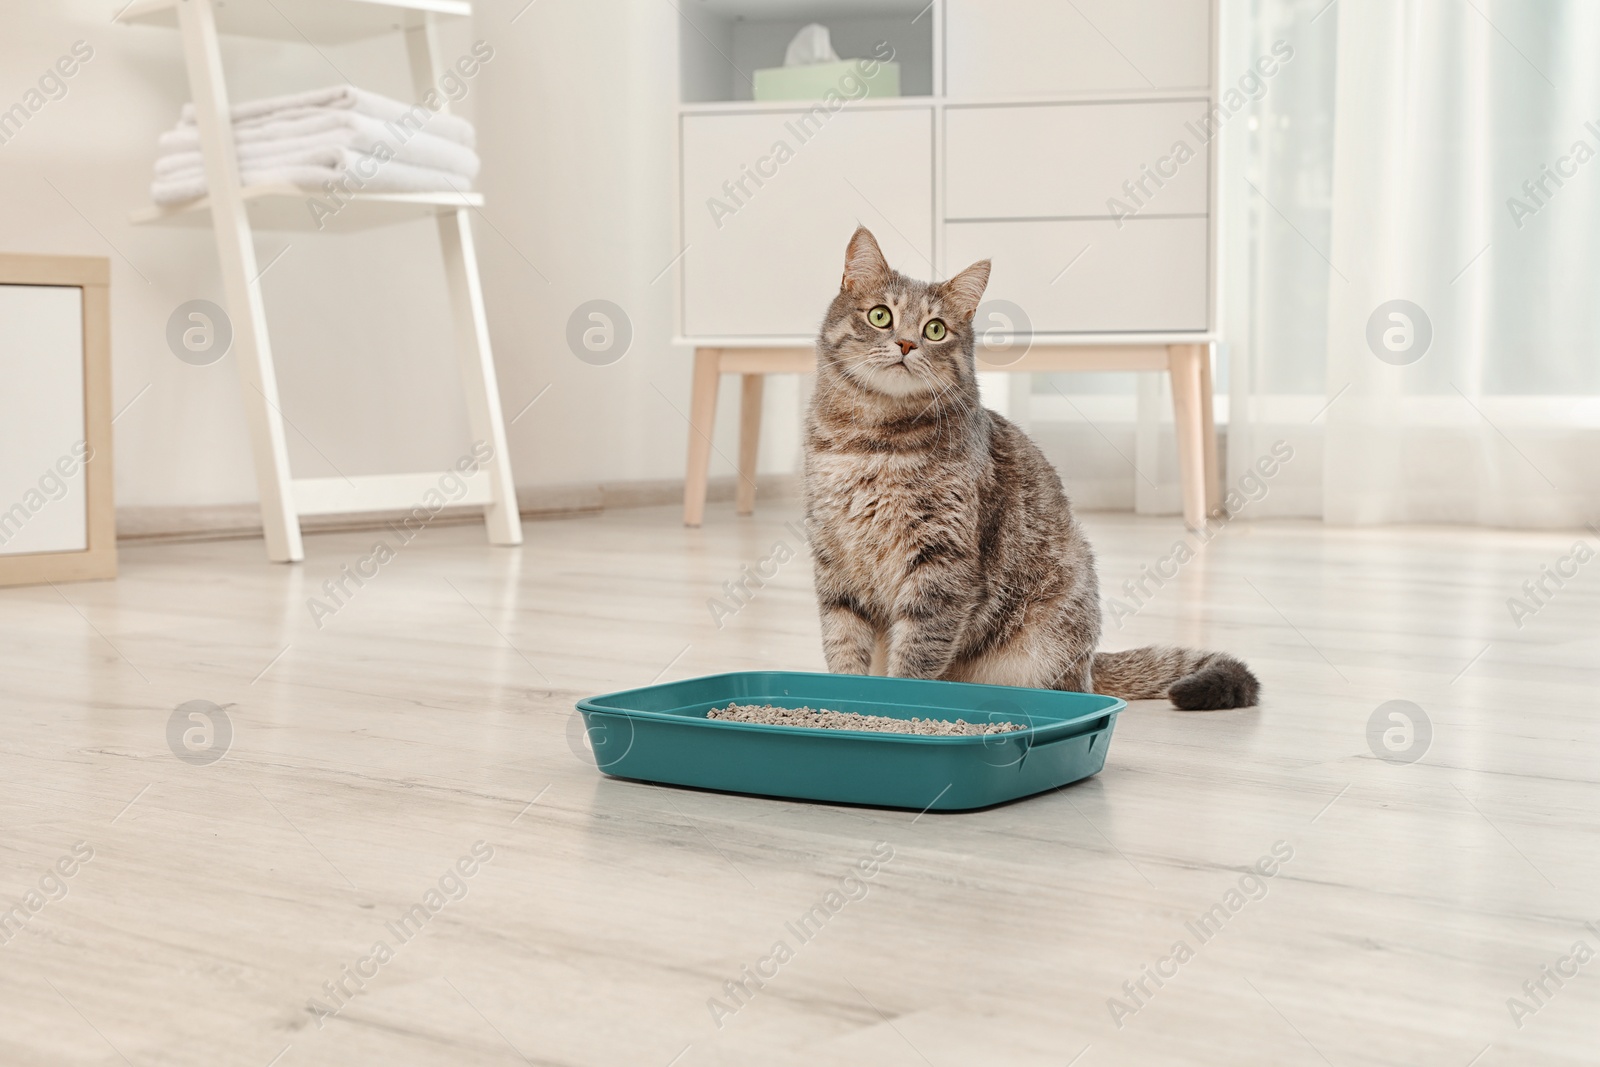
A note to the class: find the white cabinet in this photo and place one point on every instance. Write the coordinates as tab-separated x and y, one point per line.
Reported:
1066	141
1050	47
1089	275
1049	129
1070	160
770	197
1095	215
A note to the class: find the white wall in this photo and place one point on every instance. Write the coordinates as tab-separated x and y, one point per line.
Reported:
577	119
575	114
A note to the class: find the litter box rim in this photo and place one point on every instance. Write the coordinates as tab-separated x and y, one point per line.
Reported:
1031	734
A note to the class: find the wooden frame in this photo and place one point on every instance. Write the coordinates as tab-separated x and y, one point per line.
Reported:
92	275
1188	365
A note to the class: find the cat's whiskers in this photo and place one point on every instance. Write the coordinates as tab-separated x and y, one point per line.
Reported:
940	393
864	368
864	362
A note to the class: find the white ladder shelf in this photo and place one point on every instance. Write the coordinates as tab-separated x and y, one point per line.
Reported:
234	211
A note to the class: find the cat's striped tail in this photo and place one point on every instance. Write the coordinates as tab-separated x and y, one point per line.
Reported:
1194	680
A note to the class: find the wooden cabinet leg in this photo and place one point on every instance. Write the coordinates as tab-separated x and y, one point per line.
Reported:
1184	365
702	418
749	440
1208	435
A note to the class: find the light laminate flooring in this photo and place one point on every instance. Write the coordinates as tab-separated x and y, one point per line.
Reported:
368	751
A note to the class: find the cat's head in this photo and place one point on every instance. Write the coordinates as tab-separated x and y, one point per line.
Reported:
897	336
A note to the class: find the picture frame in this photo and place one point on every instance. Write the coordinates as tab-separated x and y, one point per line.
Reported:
55	470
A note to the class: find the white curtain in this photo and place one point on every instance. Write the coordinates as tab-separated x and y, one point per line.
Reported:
1422	172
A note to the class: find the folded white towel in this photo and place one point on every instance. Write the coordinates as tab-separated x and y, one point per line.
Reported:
345	98
421	149
346	169
317	128
359	140
192	164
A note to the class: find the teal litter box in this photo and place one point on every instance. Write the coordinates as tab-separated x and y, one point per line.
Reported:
661	734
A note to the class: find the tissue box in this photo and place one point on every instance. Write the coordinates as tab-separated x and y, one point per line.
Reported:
814	80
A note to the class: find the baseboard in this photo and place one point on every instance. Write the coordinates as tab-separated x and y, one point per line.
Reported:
233	522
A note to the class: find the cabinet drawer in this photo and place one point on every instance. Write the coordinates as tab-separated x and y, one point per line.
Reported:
1149	275
1029	47
1069	160
765	259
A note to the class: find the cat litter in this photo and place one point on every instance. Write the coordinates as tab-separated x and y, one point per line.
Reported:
823	719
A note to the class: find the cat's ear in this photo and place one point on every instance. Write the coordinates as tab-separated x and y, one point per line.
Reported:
963	292
865	269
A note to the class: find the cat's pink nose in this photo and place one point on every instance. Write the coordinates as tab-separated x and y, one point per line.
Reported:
906	346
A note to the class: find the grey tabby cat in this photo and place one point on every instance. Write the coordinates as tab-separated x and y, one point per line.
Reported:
943	544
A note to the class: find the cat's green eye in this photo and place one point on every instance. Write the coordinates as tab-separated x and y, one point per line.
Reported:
935	330
881	317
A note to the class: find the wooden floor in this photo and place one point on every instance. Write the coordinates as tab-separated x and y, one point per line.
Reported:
433	711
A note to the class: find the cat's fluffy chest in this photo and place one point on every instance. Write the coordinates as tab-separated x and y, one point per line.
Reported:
879	513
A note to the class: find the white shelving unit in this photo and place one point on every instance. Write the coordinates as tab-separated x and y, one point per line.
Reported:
235	213
1019	119
283	207
318	21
